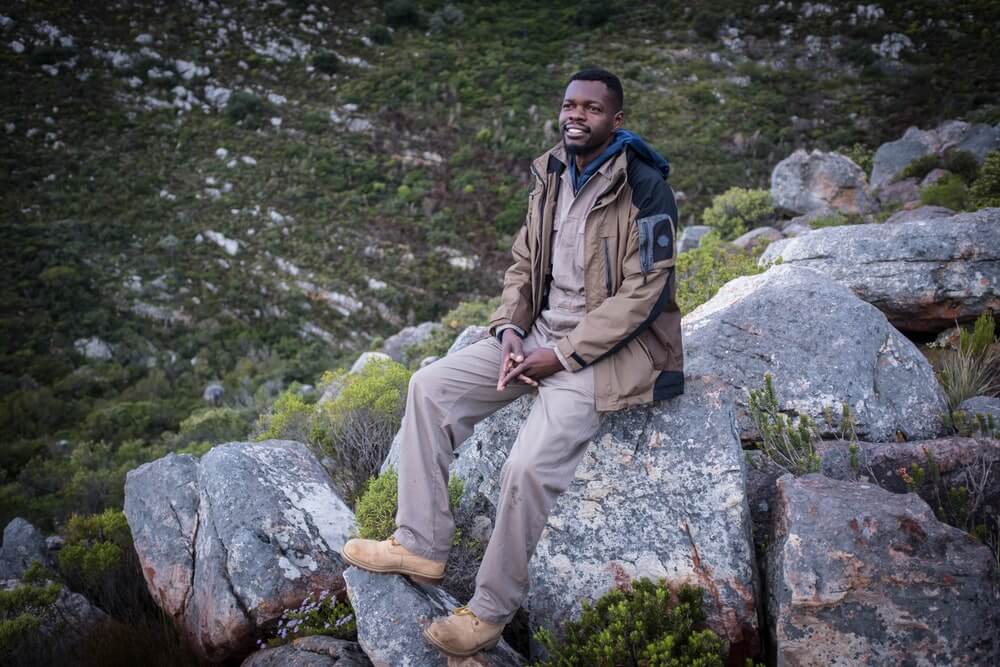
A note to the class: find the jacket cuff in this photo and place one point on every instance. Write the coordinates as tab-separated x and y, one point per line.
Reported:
569	358
503	327
562	359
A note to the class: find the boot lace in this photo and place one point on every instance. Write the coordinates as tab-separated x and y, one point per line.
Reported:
465	611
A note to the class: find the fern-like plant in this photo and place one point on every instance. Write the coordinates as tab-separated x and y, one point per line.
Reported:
789	443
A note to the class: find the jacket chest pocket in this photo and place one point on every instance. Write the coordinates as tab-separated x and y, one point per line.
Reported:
656	241
609	260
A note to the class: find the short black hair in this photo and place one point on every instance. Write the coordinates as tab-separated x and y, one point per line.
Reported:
613	83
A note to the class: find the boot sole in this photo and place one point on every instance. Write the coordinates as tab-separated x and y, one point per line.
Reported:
461	654
417	576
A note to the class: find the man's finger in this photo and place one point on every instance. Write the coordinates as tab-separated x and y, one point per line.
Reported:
527	380
513	373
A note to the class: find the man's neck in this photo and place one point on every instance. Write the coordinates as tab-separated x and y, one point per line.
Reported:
582	160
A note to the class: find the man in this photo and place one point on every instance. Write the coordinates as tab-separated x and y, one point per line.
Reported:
587	319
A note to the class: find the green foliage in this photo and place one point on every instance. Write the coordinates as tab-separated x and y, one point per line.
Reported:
859	153
835	220
319	614
594	13
974	368
737	210
972	425
703	270
326	62
22	609
922	166
402	13
376	508
949	192
790	445
961	163
288	419
246	108
212	425
638	626
985	190
379	387
95	550
380	34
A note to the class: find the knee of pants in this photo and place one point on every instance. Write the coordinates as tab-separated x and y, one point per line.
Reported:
519	469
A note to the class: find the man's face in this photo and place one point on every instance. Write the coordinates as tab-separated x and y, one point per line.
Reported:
588	117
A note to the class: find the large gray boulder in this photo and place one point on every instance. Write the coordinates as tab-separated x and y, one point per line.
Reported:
229	542
660	493
22	545
919	213
923	275
823	347
396	345
691	237
893	157
311	651
804	182
391	612
988	406
859	574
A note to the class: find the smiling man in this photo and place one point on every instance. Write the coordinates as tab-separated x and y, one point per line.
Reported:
588	322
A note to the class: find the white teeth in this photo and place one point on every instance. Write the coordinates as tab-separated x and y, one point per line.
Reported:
573	132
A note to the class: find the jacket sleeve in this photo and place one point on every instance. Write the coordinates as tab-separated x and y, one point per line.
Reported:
516	306
646	289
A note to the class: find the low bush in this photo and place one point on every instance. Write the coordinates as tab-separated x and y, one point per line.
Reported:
326	62
985	190
376	508
642	625
467	313
859	153
212	425
287	419
246	108
23	611
737	210
949	192
703	270
922	166
790	444
974	368
402	13
323	614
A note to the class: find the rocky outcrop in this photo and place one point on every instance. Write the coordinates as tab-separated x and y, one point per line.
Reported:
391	613
312	651
923	275
396	345
822	345
919	213
856	573
22	545
988	406
892	158
660	493
758	236
229	542
471	334
691	237
804	182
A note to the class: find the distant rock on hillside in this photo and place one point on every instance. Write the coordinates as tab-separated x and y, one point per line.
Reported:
893	157
805	182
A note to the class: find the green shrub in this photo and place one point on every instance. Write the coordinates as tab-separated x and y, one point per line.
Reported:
376	508
974	368
380	34
985	190
860	154
835	220
789	445
22	609
703	270
323	614
594	13
642	625
213	425
922	166
288	419
246	108
737	210
356	428
326	62
961	163
949	192
401	13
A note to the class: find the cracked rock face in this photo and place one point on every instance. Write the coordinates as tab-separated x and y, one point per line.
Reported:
391	613
823	347
229	542
805	182
859	575
660	493
312	651
922	274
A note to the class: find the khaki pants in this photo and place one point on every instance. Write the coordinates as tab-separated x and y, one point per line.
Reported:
446	399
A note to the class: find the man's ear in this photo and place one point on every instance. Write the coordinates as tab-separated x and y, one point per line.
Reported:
619	119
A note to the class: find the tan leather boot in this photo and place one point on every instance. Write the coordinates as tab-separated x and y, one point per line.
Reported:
391	556
463	633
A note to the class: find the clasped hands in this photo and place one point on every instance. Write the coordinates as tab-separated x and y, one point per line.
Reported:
514	365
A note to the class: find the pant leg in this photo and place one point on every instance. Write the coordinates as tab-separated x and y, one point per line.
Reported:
444	402
541	465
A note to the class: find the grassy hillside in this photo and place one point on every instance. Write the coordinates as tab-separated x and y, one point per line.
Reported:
252	192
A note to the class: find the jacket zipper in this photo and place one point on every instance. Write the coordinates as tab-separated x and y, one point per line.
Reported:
607	265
